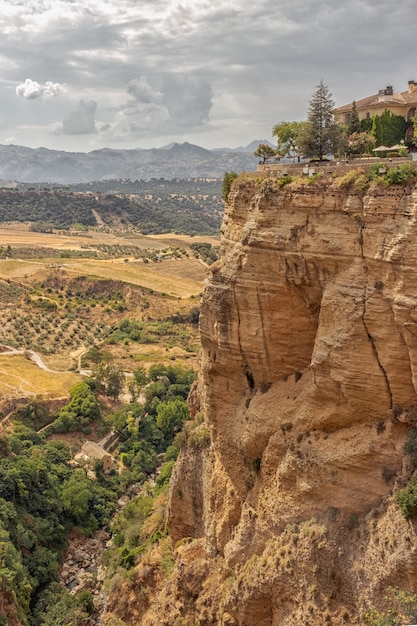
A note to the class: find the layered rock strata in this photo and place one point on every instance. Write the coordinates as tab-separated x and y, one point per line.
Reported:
309	351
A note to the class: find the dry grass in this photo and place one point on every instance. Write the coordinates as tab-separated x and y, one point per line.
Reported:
168	277
13	268
18	235
145	355
21	377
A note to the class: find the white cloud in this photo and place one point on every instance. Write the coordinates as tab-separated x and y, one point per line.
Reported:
31	89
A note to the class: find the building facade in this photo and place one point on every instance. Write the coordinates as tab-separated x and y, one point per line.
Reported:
403	103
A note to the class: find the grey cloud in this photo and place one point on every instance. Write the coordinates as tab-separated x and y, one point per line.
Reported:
175	103
142	91
159	67
188	99
81	121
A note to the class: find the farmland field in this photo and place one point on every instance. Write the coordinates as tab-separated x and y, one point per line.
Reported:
60	305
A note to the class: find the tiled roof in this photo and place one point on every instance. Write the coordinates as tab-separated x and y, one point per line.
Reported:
93	450
377	99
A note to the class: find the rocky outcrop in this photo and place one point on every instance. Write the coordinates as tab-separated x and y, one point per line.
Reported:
309	360
309	341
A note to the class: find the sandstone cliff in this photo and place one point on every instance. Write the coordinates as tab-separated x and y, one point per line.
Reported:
308	366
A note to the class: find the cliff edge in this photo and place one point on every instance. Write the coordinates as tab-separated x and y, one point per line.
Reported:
284	510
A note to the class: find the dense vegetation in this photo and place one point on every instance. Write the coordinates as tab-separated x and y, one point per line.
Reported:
43	497
157	206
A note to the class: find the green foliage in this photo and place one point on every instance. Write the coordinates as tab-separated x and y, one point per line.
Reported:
264	152
145	431
407	498
410	446
79	412
205	251
34	414
287	134
354	124
128	534
95	355
388	128
109	379
319	135
403	607
284	180
41	498
14	577
165	473
394	176
366	125
228	179
199	437
171	330
171	415
57	607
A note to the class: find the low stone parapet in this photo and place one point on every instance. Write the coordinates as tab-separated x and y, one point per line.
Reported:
331	167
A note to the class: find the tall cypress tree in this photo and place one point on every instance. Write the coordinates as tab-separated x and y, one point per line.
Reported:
320	134
354	124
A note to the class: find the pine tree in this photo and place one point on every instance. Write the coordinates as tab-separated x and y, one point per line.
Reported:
320	134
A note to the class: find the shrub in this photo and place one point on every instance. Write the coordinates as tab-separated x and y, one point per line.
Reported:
407	498
228	179
199	438
284	180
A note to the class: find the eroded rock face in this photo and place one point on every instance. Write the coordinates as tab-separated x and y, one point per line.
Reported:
309	345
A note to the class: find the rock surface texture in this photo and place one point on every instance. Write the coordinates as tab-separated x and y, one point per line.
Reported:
308	372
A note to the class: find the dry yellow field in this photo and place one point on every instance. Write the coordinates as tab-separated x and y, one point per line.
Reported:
19	236
21	377
181	278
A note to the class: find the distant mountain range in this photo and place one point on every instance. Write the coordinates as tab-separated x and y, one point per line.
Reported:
185	160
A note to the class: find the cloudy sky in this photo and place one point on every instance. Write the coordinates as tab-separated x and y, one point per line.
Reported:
86	74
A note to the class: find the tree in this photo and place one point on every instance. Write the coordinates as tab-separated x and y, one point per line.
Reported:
320	133
287	134
388	128
264	152
109	378
414	120
171	415
354	124
360	143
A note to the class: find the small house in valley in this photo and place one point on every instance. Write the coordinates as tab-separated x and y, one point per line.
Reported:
93	451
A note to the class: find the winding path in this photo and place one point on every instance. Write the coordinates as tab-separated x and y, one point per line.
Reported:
34	356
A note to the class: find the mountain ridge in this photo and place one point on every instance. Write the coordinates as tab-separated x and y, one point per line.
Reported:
186	160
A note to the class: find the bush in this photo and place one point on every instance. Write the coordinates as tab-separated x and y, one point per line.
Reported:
228	179
407	498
